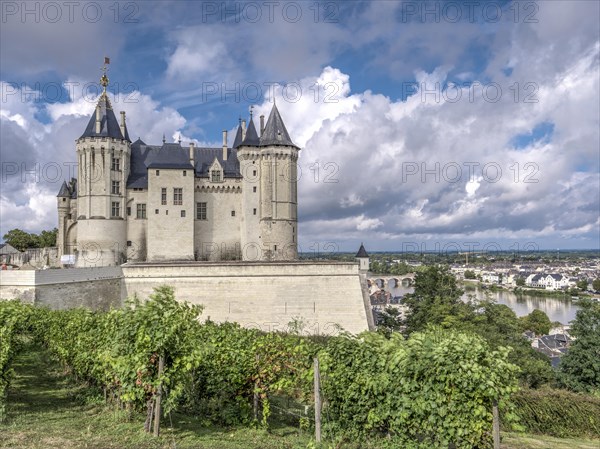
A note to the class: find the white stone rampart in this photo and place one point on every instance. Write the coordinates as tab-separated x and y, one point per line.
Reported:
93	288
266	295
324	296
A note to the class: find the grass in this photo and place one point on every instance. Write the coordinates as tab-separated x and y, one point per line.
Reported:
47	411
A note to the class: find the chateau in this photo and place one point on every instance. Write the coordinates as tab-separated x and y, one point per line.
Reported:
135	202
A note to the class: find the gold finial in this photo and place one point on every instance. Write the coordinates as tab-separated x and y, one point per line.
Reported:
104	78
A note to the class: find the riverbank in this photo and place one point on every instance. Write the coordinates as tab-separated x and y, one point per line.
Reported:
469	284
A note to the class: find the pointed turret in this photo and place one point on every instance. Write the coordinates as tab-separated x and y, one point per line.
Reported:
363	259
251	138
362	252
64	191
103	122
275	132
238	137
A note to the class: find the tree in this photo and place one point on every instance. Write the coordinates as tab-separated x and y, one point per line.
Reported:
582	284
470	274
520	282
390	320
47	239
435	300
596	285
537	321
580	367
20	240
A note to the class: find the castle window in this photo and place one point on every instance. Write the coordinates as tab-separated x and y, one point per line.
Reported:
233	213
116	164
254	211
215	175
129	243
64	199
141	210
254	173
163	196
116	188
157	172
254	189
177	196
184	173
115	209
156	211
201	211
183	214
275	247
128	211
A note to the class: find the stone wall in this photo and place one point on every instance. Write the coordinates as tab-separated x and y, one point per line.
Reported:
269	296
93	288
323	296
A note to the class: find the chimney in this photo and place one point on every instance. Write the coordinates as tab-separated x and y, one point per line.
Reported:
192	156
243	129
123	123
262	125
98	123
224	144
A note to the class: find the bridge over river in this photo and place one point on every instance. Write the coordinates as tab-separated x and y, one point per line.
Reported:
391	281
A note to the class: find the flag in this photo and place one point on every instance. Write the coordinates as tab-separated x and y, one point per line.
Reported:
106	60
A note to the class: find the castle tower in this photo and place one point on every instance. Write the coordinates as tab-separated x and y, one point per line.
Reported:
270	198
363	259
279	193
247	144
103	155
63	201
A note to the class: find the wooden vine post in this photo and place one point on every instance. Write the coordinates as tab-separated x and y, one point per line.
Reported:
161	367
496	425
317	401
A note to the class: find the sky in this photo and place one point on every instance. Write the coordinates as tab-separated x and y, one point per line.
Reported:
429	125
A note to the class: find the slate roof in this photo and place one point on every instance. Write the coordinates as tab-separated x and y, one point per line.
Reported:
362	252
173	155
68	190
109	126
275	132
238	137
251	138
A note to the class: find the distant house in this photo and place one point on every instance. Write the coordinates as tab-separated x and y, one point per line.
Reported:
6	249
491	277
548	281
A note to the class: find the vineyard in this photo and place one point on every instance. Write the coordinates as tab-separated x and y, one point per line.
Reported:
433	390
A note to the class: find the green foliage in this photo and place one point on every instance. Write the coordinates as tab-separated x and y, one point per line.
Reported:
520	282
580	367
596	285
435	301
582	284
470	274
537	321
558	413
22	240
434	389
14	317
390	321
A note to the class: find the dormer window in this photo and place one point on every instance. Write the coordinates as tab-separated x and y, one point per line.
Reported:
215	175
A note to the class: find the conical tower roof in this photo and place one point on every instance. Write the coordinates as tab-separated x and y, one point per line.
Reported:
362	252
109	126
275	132
64	191
251	135
238	137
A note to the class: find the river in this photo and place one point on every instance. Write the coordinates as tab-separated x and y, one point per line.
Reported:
561	310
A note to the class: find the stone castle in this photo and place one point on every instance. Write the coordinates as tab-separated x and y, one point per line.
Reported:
219	225
134	202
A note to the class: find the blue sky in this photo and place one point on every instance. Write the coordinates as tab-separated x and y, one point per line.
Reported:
421	123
